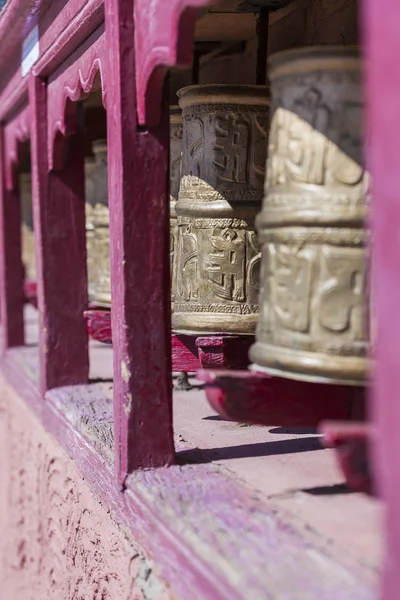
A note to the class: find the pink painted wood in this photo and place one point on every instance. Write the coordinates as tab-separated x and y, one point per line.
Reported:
59	223
139	232
178	512
257	398
164	38
382	46
30	290
351	442
99	325
11	267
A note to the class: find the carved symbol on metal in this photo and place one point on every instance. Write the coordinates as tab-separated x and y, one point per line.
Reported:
232	148
342	296
226	267
292	286
189	256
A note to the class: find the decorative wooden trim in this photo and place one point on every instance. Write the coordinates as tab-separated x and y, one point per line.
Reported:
59	222
260	399
14	94
164	34
138	173
15	131
81	74
78	29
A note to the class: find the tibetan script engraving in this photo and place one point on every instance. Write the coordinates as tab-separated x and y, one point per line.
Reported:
226	266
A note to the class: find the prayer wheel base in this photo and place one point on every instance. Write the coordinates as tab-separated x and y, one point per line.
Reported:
189	353
209	324
309	367
260	399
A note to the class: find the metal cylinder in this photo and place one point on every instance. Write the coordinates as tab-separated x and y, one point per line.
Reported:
223	166
175	178
314	317
28	238
89	209
101	287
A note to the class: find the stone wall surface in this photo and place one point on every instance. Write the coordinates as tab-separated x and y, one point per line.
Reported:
57	541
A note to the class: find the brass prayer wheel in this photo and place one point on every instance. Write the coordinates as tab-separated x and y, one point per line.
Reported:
224	149
97	213
89	209
28	238
175	177
101	283
314	317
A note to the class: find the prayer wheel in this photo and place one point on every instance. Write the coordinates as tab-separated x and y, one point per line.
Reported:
89	208
222	175
101	288
314	317
28	238
97	213
175	177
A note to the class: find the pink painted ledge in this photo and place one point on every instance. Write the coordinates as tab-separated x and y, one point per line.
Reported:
197	518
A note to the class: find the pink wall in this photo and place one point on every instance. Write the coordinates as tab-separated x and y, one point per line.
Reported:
56	539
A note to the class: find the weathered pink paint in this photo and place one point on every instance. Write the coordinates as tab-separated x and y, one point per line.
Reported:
57	539
138	173
11	266
191	519
178	512
164	34
59	197
382	46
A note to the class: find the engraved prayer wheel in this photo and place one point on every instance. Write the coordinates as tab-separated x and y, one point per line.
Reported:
89	209
28	238
314	317
101	286
175	178
222	176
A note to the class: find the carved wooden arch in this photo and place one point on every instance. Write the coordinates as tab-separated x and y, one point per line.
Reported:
16	131
83	73
164	32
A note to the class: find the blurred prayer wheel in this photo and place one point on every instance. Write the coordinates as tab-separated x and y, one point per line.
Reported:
28	238
223	167
89	207
314	317
175	177
101	287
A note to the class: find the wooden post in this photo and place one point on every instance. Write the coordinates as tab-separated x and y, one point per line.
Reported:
139	240
11	268
59	221
262	46
382	48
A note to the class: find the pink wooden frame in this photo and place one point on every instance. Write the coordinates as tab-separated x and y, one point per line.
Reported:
141	40
15	131
382	47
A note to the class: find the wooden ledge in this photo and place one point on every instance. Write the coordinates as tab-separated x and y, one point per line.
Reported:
195	520
245	509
